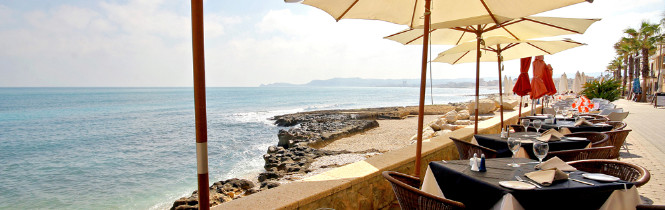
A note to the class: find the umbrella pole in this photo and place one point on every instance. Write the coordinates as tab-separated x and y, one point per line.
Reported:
423	80
498	55
475	120
519	114
200	104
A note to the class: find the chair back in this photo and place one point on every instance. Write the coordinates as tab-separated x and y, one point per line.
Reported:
520	128
616	139
466	150
617	125
409	196
617	116
582	154
625	171
597	139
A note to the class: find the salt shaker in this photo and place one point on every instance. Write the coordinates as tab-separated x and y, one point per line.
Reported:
504	133
482	168
474	162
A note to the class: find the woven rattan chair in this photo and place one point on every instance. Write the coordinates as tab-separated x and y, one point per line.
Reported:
410	197
617	125
466	150
617	116
617	139
647	207
597	139
582	154
625	171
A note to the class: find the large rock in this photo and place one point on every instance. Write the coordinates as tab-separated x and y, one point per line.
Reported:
463	115
485	106
510	104
436	124
451	116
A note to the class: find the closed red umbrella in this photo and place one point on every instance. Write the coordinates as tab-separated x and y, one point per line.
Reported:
538	87
549	82
522	86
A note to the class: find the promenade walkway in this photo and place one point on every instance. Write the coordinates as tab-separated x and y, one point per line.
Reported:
646	144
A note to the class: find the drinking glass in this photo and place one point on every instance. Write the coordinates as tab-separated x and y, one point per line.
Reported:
514	145
540	149
538	124
556	111
525	124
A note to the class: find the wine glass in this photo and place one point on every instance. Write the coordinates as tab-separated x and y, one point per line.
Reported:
538	124
514	145
525	124
540	149
556	111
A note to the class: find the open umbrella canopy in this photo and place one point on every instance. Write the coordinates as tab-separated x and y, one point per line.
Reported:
445	13
509	49
522	28
563	84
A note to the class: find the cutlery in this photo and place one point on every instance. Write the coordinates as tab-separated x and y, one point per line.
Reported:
525	181
580	181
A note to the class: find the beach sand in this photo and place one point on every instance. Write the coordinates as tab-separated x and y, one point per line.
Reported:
390	135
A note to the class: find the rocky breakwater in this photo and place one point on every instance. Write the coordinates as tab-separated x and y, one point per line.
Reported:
299	146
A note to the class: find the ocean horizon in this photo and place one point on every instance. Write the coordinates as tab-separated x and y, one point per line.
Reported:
134	147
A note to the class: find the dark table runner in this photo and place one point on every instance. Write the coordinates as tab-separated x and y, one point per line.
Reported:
481	190
495	142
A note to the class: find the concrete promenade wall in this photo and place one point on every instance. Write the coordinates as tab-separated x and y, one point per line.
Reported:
360	185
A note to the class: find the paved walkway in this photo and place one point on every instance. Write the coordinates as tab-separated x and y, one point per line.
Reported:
646	144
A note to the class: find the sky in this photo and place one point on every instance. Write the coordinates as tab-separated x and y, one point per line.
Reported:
147	43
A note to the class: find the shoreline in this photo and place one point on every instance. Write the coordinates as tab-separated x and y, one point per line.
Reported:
294	158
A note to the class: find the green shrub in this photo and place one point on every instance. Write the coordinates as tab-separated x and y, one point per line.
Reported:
609	89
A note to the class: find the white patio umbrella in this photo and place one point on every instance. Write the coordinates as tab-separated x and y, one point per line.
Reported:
442	14
498	49
577	86
563	84
508	87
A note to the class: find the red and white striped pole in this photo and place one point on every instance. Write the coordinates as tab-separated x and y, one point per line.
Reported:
200	104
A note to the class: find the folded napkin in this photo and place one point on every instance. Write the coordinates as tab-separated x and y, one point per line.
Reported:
582	121
565	131
547	177
555	163
550	135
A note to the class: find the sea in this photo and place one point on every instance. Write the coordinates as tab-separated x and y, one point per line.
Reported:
134	148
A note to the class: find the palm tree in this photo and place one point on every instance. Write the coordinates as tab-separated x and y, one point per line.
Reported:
646	41
623	50
629	44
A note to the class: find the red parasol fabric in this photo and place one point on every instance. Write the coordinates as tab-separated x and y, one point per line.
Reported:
522	85
538	87
549	82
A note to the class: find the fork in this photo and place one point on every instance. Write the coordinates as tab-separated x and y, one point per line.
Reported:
531	183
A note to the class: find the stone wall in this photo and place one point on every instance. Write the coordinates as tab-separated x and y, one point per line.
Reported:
360	185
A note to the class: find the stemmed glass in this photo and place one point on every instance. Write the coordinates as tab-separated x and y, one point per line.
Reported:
525	124
556	111
540	149
538	124
514	145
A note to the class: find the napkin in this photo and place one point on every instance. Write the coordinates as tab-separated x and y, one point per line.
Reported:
550	135
565	131
555	163
546	177
582	121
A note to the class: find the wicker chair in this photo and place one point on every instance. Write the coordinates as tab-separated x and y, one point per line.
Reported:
582	154
646	207
617	116
410	197
625	171
617	139
597	139
618	125
466	150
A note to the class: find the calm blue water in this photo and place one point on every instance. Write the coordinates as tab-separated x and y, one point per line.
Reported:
133	148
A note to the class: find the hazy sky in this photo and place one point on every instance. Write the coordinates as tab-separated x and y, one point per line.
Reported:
248	43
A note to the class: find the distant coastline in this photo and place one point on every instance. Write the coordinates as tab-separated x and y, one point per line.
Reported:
360	82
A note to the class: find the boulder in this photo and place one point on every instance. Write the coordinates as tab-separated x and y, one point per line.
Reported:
436	124
463	115
451	116
510	104
485	106
464	122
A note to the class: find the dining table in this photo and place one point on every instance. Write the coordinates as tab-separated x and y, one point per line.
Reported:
483	190
495	142
570	125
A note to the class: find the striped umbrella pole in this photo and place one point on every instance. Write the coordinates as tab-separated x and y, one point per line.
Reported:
200	104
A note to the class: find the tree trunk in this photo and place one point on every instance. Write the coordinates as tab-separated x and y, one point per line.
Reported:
625	77
645	73
630	76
